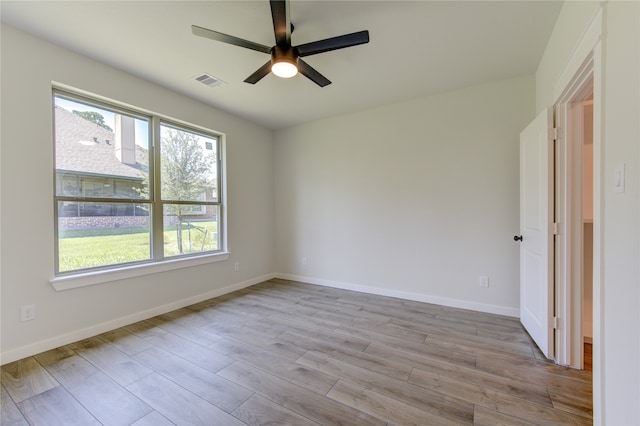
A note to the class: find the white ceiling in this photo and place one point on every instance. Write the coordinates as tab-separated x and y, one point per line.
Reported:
417	48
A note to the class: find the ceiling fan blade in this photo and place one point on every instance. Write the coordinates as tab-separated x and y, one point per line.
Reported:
225	38
313	75
259	74
281	22
333	43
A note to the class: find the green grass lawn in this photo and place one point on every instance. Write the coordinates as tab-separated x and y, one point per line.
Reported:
80	249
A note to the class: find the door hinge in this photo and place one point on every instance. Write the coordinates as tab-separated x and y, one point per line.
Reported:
554	133
556	225
556	323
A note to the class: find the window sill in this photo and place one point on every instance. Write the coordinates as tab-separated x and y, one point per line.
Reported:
67	282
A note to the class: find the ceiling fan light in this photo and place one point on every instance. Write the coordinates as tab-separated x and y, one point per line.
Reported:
284	69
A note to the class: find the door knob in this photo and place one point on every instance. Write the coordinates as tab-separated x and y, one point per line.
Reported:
517	238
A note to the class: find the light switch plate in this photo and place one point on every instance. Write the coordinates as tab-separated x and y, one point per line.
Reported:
484	281
618	178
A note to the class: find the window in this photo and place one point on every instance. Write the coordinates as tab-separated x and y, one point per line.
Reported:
188	190
131	187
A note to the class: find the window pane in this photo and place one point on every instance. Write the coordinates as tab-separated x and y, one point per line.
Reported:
188	165
100	234
100	153
190	229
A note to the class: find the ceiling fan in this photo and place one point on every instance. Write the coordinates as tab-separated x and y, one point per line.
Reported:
286	59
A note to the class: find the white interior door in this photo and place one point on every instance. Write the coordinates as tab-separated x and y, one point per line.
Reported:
536	244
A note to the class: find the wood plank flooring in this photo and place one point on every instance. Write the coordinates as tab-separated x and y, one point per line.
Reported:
288	353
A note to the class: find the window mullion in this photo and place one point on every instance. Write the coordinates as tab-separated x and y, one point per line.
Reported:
157	230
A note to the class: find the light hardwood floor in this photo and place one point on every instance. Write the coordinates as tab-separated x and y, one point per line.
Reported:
283	352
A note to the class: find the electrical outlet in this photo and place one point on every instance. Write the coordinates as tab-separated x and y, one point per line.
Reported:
484	281
27	312
304	260
236	266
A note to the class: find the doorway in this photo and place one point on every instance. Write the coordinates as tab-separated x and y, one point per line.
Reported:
575	204
559	224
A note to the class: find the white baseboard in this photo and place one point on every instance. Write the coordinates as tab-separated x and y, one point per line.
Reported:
418	297
74	336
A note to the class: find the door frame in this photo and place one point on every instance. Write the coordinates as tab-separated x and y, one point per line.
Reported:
569	185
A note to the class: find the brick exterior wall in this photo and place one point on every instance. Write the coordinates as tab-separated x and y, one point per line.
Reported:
88	222
102	222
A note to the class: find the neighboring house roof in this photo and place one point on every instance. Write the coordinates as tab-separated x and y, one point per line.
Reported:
97	158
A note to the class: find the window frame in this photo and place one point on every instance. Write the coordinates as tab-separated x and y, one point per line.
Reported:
157	260
159	202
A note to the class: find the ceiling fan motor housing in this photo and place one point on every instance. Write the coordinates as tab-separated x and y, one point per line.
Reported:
284	54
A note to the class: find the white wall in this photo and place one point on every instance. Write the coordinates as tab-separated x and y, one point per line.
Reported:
621	211
416	199
619	370
29	66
